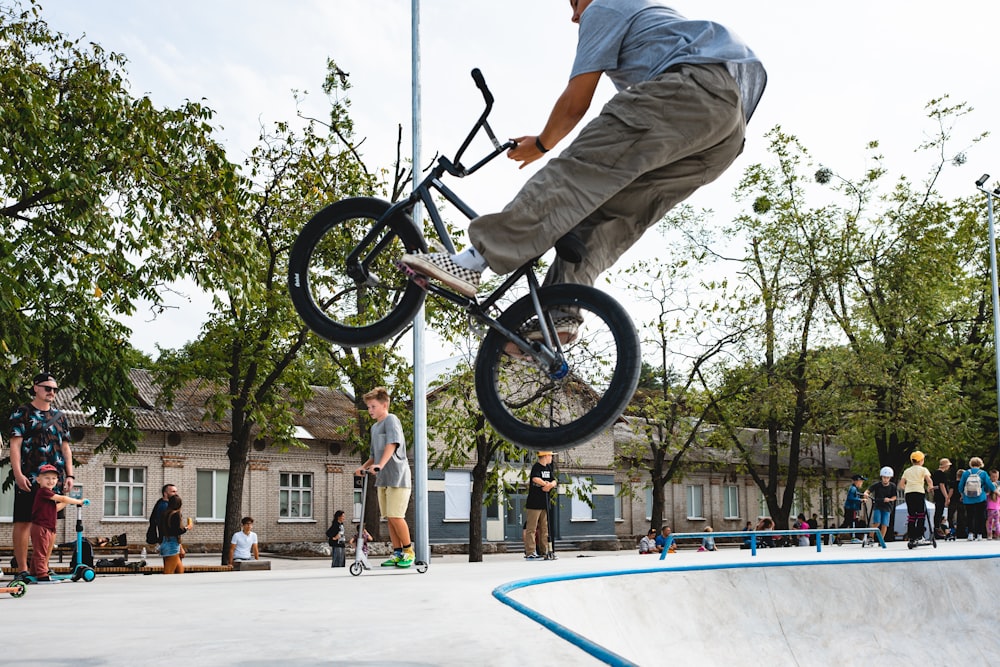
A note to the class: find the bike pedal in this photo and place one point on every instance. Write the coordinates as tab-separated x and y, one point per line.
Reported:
418	279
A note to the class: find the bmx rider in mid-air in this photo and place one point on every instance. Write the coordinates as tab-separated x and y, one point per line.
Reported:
686	89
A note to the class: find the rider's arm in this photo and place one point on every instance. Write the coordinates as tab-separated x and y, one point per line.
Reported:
387	453
569	109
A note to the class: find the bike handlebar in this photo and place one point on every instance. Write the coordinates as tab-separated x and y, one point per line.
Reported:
477	76
455	166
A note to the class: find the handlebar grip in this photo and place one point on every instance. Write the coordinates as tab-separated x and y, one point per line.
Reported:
477	76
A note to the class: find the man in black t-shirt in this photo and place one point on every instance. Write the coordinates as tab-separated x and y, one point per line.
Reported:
39	436
541	480
942	491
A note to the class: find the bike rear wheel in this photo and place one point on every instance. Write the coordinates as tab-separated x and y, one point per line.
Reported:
362	302
534	407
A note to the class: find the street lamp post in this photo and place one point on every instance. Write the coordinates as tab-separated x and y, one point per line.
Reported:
990	194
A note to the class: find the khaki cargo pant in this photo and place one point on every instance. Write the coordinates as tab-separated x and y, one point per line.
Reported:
652	145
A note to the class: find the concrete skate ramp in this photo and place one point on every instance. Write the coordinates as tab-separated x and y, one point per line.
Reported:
820	613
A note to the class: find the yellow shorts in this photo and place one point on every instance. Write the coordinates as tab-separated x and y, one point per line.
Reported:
393	501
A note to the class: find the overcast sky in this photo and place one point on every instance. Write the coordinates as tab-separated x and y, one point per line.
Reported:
840	75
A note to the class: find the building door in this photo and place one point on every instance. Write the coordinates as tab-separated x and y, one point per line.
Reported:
514	518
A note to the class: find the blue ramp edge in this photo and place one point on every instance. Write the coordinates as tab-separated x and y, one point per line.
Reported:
609	657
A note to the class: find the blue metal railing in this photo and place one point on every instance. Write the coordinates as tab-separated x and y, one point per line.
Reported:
753	535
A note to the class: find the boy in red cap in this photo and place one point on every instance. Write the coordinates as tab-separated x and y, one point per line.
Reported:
43	519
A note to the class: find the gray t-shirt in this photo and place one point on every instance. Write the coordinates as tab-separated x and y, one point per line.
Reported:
637	40
396	471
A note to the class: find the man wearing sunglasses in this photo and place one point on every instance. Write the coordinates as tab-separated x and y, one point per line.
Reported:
39	436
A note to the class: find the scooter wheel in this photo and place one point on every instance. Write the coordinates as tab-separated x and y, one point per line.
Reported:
21	589
910	545
357	568
88	574
421	566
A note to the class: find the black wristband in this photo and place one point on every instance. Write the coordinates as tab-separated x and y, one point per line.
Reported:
70	477
539	146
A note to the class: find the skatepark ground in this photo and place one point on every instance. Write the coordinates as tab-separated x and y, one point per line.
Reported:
788	606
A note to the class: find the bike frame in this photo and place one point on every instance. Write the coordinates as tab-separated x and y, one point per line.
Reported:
550	353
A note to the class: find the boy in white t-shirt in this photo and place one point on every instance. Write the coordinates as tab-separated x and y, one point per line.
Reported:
244	543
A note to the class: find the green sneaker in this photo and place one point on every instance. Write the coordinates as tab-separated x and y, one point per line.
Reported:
407	559
393	560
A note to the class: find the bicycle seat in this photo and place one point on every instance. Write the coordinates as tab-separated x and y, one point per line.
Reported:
570	248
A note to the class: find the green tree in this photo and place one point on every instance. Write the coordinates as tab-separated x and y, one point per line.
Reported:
668	410
780	316
906	285
254	348
103	196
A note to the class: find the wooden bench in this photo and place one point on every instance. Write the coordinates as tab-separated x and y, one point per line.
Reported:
247	565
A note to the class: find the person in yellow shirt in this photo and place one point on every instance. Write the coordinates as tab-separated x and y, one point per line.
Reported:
915	482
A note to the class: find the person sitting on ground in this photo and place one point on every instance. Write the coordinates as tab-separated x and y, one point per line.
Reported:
662	539
647	545
244	543
707	542
765	523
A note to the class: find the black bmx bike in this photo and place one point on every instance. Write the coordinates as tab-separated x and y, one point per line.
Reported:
537	386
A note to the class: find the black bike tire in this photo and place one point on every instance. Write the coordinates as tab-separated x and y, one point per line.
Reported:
298	274
621	388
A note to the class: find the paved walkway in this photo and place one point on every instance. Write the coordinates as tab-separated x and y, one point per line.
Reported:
304	613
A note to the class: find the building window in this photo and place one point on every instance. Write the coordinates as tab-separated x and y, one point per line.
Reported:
457	495
762	510
797	504
695	496
730	501
649	504
619	510
212	487
124	492
581	499
295	496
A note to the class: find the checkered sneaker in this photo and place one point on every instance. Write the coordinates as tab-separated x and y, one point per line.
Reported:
441	267
567	326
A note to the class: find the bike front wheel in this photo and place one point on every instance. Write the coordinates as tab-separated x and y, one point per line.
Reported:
342	273
533	406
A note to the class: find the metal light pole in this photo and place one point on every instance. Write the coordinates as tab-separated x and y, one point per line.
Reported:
990	194
421	541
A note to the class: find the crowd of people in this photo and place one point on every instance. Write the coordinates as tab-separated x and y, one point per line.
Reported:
966	505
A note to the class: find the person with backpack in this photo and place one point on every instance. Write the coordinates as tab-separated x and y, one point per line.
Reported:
153	534
974	486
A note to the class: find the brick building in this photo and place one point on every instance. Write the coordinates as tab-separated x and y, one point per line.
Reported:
292	494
